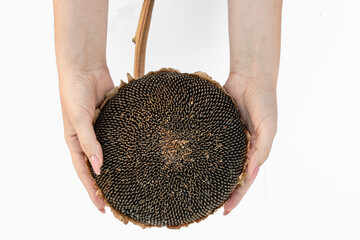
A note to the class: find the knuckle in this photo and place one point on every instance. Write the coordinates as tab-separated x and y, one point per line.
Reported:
81	116
77	120
260	157
86	146
82	175
70	139
266	156
263	158
67	140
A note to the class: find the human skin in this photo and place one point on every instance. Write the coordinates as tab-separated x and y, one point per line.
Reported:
254	35
80	43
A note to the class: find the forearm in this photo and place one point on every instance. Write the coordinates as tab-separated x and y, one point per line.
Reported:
255	34
80	34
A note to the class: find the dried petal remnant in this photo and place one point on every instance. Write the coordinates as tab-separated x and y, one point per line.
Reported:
174	147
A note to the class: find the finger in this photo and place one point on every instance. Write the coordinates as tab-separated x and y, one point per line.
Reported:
260	149
89	144
78	159
239	192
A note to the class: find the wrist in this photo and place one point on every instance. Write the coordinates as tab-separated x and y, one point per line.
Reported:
254	78
81	61
255	68
94	71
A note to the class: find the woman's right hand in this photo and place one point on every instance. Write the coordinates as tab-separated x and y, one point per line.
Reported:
81	92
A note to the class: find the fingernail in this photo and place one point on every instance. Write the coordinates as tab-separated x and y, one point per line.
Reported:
95	164
102	210
255	173
226	212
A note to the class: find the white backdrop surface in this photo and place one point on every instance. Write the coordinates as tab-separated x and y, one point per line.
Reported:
308	188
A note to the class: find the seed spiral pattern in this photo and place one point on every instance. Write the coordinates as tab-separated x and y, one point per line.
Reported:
174	147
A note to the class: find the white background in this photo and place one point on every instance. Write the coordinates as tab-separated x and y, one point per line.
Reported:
308	188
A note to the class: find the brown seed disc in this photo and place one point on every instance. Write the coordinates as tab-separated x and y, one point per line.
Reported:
174	147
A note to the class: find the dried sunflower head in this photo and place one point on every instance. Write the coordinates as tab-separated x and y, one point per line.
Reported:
174	149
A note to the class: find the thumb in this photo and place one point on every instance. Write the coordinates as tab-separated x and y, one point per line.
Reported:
89	144
259	150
